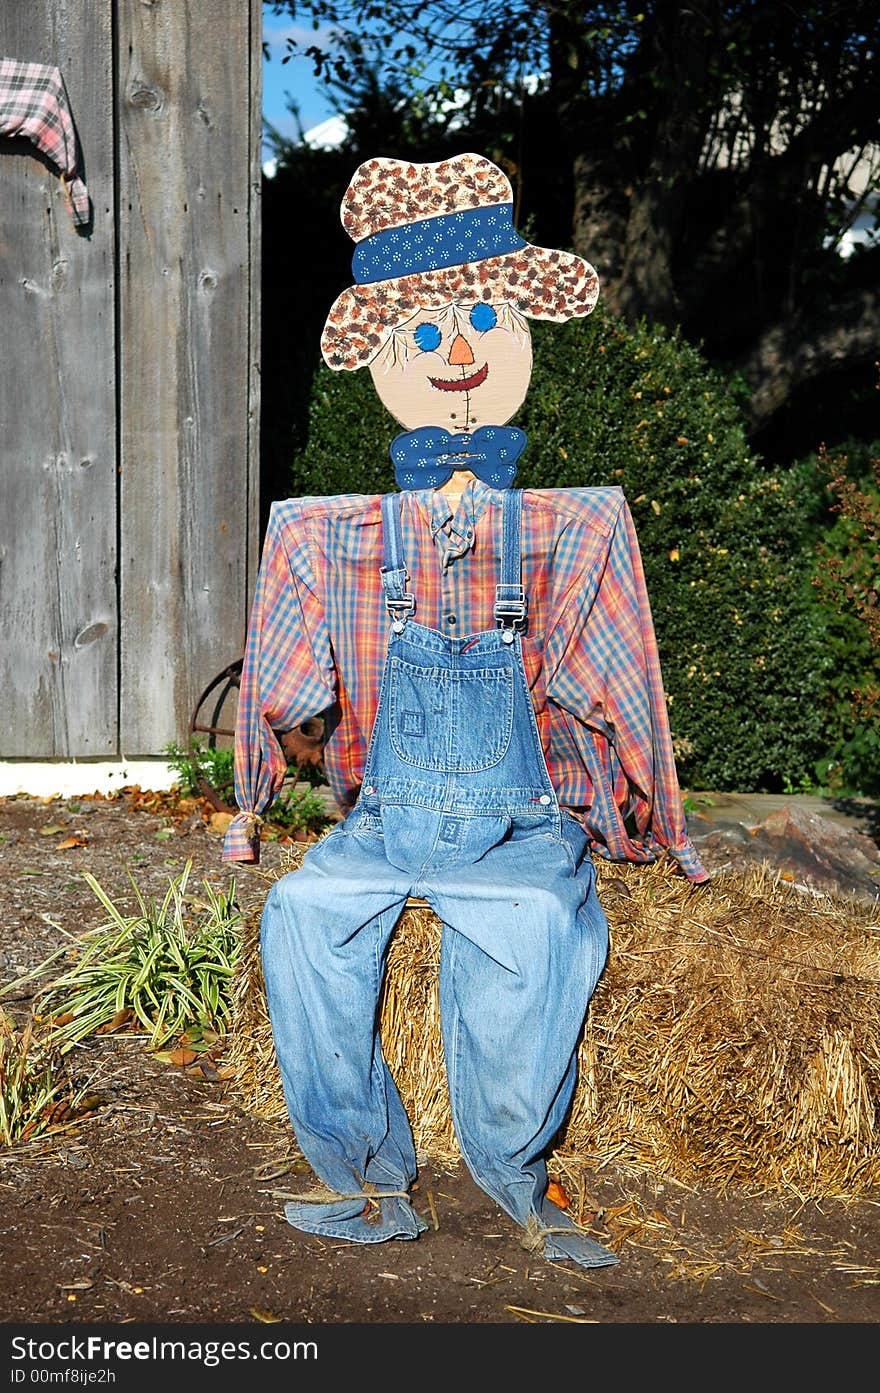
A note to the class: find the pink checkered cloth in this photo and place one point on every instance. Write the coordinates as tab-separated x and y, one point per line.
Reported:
34	103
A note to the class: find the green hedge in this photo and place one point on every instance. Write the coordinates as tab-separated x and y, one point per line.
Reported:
727	545
851	763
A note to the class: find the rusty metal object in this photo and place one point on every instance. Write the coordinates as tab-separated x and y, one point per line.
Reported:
220	688
304	745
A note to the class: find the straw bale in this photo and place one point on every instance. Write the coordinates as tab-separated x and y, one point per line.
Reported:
733	1039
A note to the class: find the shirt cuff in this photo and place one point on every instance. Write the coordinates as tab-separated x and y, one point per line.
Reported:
685	854
242	839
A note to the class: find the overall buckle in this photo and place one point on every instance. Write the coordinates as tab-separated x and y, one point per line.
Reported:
400	607
510	609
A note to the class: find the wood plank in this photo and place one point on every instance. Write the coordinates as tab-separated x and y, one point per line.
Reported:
58	482
187	281
256	503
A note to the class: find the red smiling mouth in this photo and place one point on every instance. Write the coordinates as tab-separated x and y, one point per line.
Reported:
461	384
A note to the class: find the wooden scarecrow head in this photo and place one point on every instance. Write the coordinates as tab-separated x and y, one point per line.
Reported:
444	287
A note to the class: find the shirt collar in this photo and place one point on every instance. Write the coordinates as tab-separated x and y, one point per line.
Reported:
453	523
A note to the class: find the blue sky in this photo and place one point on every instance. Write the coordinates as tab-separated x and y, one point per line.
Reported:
294	77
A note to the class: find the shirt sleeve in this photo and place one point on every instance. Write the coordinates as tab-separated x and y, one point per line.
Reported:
603	670
287	676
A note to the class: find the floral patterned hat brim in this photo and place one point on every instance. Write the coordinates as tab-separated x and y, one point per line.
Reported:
539	282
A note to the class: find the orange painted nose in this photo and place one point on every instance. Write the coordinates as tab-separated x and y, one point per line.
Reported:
460	355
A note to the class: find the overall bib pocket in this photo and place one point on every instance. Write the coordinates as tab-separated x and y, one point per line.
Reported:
449	721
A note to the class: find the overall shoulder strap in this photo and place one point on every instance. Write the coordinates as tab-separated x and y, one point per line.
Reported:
393	573
510	598
392	537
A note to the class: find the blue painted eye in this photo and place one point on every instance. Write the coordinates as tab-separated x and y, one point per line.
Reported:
483	317
428	337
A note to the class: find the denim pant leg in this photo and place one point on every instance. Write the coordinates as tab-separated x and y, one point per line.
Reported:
324	934
524	942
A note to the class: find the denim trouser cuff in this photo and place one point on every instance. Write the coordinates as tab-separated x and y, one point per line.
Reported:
577	1247
563	1242
391	1217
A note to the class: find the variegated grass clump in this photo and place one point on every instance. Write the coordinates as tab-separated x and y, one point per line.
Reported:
167	967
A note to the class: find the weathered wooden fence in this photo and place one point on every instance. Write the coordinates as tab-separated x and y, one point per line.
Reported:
129	465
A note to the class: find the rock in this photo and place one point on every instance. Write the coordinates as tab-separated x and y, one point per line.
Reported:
812	851
828	853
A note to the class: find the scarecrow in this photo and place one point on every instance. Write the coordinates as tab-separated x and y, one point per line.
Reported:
485	663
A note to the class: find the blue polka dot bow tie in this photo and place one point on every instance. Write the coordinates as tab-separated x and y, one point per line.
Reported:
427	457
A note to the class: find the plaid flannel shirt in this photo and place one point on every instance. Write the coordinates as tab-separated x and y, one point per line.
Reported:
33	103
318	632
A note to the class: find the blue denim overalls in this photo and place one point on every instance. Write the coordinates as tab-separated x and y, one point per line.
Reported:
456	808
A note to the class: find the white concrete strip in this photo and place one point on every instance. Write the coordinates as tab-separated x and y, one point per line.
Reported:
69	778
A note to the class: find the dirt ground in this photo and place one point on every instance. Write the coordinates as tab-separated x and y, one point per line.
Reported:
161	1205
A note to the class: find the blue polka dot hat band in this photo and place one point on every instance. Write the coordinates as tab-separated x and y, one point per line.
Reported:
431	244
427	457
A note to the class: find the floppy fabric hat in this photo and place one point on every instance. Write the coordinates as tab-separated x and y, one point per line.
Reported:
431	234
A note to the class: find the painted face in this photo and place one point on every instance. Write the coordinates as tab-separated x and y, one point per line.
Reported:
459	367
